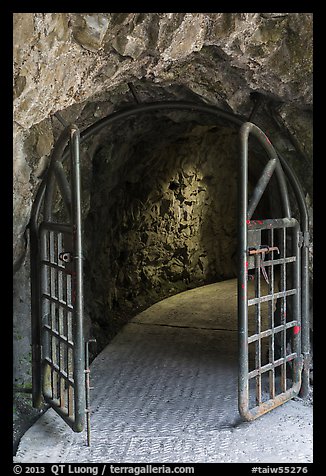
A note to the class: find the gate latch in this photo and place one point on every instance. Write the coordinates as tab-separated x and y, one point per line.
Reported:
263	249
66	256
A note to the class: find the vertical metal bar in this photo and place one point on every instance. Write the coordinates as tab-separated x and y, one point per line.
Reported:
51	349
283	312
68	363
79	351
87	396
53	314
243	386
70	400
258	329
305	332
297	305
62	357
36	298
45	306
69	285
63	346
87	391
271	319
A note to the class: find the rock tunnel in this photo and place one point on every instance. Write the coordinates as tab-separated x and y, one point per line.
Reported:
162	212
159	189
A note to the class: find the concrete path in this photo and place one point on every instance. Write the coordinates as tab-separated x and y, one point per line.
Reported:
165	390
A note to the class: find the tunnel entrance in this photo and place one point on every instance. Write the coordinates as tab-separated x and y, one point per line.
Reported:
273	336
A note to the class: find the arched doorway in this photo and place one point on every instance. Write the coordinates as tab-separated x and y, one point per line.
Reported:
59	350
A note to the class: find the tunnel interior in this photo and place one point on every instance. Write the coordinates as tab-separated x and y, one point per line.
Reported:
160	211
160	216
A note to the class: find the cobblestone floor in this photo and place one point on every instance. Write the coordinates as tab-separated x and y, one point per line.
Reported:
165	390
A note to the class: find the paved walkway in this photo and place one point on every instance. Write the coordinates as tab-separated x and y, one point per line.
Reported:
165	390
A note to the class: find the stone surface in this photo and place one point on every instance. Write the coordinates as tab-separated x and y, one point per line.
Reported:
66	57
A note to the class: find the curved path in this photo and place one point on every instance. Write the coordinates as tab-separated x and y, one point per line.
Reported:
165	390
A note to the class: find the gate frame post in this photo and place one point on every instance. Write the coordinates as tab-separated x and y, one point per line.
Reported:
79	364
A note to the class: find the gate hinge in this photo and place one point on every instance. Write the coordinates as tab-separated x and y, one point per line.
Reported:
304	239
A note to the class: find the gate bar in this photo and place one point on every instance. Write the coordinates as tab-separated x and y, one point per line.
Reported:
261	186
79	350
57	172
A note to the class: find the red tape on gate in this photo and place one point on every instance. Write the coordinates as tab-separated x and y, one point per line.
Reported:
296	329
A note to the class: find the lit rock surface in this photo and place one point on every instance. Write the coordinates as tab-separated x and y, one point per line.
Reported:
65	58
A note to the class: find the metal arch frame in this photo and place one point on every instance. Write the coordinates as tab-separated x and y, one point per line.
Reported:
55	170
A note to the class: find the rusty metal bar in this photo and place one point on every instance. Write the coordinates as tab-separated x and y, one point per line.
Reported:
297	309
87	391
269	366
270	297
268	224
283	310
264	249
271	324
258	328
274	262
271	331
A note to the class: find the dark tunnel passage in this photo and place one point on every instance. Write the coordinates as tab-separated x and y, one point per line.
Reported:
162	212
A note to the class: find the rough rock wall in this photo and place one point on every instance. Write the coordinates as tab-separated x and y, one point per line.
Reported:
66	59
169	220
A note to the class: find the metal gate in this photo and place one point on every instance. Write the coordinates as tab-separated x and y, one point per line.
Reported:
269	286
57	290
273	332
